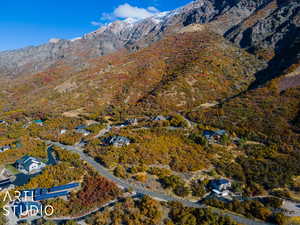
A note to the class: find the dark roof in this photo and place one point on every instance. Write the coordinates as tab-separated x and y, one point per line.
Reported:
223	181
220	132
211	133
6	147
159	118
131	121
26	161
5	183
208	133
215	184
83	131
80	127
117	140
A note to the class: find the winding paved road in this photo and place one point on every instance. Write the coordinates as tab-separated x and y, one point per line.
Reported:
142	191
120	182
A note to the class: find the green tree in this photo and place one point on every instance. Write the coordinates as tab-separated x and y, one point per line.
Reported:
181	190
44	222
71	222
225	140
198	188
280	219
188	219
120	171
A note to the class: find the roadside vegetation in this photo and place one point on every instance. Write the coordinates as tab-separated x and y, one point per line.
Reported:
148	211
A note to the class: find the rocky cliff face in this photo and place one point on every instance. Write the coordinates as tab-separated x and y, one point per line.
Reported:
274	26
256	25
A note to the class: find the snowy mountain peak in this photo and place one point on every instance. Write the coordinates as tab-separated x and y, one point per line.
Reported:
230	18
131	20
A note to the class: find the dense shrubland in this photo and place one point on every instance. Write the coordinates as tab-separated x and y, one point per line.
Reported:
148	211
156	146
260	209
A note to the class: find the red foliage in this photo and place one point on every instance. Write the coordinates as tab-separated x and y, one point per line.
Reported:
47	79
97	190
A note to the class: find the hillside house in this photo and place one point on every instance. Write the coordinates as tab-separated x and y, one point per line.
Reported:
131	122
5	148
63	131
2	122
220	186
39	122
117	141
214	136
82	130
4	184
159	118
29	164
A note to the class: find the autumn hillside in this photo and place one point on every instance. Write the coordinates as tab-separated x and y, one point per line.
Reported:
268	114
179	72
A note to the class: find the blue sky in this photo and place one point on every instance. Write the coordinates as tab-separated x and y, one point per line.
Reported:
33	22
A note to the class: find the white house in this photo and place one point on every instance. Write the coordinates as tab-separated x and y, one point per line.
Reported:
29	164
214	136
63	131
2	122
129	122
117	141
133	122
220	186
5	148
159	118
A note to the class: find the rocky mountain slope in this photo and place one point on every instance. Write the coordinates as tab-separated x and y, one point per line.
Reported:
191	67
264	26
199	61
